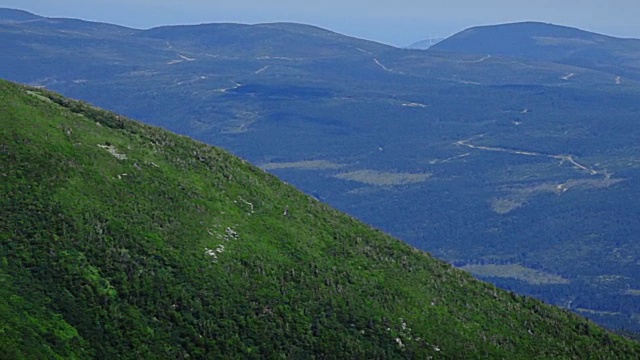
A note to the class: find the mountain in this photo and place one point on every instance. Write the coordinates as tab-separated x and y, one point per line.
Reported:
9	15
120	240
424	44
553	43
518	170
261	39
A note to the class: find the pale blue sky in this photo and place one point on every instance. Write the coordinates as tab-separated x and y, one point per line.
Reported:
396	22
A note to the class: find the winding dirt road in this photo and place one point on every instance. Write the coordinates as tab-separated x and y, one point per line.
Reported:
563	158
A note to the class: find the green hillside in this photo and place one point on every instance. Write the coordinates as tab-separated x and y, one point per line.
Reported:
121	240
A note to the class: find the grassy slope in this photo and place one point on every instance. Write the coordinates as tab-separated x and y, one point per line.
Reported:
96	263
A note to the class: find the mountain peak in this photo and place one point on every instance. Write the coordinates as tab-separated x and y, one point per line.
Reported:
10	15
533	28
545	42
295	40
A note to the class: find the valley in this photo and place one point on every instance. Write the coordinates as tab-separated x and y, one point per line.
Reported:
376	132
123	240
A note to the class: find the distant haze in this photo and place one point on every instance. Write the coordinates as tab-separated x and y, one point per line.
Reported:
398	22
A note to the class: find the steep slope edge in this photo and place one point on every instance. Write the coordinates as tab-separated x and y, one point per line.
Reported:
121	240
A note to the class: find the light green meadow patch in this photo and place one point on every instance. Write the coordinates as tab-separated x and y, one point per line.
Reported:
41	97
377	178
515	271
633	292
504	206
559	41
518	196
594	312
303	165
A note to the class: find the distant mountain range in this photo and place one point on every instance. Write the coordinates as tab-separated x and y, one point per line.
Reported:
520	167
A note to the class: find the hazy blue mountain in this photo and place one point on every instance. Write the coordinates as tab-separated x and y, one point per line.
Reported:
309	41
547	42
424	44
8	15
519	170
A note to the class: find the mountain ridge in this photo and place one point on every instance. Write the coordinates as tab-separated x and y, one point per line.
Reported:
239	37
7	14
15	17
549	42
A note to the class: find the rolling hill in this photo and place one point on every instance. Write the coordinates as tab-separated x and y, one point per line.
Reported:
121	240
553	43
9	15
519	170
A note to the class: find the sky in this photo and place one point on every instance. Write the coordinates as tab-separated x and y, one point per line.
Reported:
394	22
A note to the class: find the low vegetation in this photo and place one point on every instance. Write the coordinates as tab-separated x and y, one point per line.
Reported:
377	178
515	271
